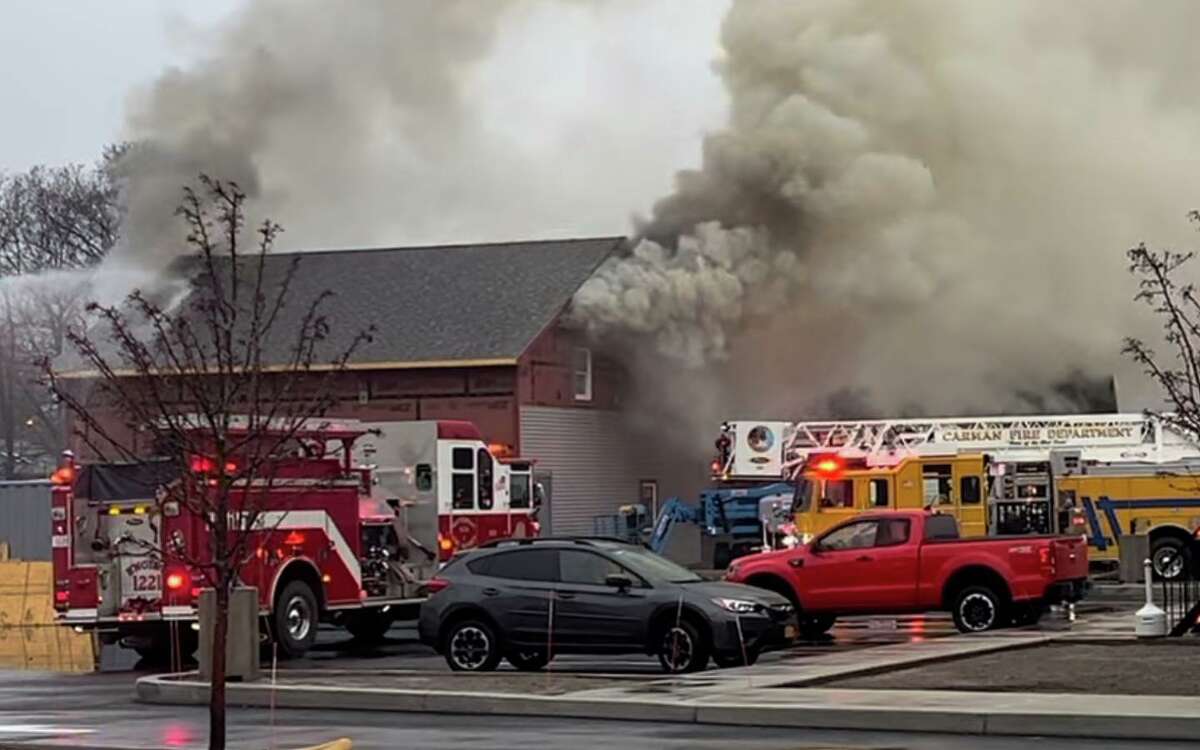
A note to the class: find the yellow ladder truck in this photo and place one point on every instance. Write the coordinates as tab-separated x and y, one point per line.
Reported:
1105	476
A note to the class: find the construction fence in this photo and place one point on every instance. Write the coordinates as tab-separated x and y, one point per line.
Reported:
29	636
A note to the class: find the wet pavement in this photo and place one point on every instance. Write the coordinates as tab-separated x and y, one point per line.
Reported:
98	710
402	651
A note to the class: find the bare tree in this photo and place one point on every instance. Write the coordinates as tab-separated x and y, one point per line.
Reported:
229	377
1174	300
51	219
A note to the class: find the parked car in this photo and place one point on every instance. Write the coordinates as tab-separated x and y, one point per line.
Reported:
914	561
527	600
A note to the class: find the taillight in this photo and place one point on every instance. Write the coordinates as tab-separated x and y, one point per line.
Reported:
435	585
1046	559
62	597
176	581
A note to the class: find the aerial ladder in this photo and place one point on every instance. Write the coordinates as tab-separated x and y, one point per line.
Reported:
773	450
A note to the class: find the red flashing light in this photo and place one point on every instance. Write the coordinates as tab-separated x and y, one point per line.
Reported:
195	592
828	466
176	581
294	539
445	543
202	465
716	467
62	597
230	467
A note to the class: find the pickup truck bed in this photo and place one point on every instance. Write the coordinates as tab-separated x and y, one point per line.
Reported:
913	561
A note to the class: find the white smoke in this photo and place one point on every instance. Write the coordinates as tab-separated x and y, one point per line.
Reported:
926	201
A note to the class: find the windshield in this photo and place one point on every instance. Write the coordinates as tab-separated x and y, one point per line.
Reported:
651	566
800	501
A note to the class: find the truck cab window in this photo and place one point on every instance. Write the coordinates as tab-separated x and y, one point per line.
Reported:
486	499
519	496
879	493
968	490
853	536
839	493
462	479
938	485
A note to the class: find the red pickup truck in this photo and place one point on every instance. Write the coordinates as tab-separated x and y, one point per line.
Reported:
894	562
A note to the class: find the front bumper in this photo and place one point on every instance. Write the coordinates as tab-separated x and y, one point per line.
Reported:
757	632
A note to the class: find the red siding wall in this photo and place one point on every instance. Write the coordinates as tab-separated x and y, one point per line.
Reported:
545	376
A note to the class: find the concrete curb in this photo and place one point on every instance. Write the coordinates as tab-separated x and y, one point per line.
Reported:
792	708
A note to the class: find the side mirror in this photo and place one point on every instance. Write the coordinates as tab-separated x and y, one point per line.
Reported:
394	503
815	547
539	495
618	582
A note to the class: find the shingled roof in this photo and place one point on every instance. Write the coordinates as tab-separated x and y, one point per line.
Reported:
446	305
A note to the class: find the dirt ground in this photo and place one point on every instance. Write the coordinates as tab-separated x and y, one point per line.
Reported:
1133	668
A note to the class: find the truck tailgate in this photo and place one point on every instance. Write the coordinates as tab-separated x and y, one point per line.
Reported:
1070	558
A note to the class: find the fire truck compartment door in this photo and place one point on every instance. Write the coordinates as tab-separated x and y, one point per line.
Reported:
133	539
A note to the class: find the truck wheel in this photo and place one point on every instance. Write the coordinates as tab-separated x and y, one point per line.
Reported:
1169	557
295	619
471	646
682	649
813	627
976	609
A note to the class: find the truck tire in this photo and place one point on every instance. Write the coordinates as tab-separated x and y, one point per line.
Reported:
813	627
295	620
1170	557
976	609
471	646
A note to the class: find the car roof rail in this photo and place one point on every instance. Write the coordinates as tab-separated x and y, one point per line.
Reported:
522	541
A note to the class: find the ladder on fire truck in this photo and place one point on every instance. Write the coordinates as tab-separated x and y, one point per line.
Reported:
1103	438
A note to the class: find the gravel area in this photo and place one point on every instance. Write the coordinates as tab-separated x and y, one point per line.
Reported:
1133	668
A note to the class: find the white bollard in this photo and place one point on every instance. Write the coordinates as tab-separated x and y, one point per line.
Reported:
1151	620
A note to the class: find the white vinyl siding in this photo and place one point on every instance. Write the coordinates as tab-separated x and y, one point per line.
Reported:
588	455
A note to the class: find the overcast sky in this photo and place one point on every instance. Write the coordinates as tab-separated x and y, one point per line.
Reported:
69	64
645	67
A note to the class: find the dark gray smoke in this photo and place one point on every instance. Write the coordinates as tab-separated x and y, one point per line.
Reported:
316	109
923	202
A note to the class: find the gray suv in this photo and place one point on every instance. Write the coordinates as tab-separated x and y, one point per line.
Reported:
526	600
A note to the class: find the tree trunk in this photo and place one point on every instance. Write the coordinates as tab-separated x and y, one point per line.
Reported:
216	701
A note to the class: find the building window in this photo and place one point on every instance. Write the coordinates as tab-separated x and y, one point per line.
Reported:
582	372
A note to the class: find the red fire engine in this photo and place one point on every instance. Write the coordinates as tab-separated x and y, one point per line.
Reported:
340	541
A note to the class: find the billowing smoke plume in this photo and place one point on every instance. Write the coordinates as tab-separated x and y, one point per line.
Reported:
308	105
921	204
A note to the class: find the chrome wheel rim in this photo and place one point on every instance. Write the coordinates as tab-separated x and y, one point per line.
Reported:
469	647
677	649
977	612
299	618
1168	563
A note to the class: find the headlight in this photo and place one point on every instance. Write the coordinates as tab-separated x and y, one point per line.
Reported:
740	606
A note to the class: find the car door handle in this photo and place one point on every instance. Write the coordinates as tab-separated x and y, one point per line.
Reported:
565	595
864	558
491	592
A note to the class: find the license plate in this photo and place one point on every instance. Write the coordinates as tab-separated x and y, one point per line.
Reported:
60	541
790	632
